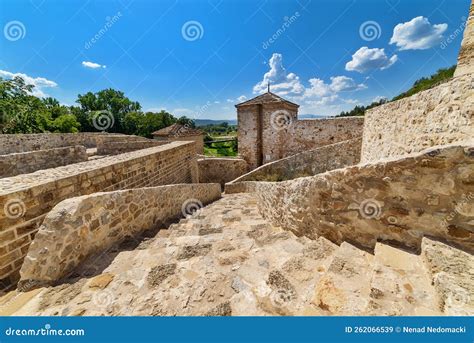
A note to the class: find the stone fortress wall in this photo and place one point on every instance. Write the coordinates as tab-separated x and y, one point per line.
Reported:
399	193
308	134
396	201
79	227
307	163
220	170
28	162
466	54
197	139
119	145
415	177
26	199
441	115
14	143
269	130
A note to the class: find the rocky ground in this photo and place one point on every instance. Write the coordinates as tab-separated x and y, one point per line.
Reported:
228	260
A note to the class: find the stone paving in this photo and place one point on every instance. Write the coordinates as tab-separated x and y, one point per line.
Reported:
227	260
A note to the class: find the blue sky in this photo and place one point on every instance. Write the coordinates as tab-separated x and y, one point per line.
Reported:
200	58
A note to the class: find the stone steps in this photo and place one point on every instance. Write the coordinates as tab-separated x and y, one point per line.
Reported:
452	272
345	288
400	285
226	259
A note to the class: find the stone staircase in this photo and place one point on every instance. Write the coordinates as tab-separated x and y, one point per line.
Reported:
228	260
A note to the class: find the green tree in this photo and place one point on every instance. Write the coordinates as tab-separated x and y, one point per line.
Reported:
66	123
21	112
112	101
186	121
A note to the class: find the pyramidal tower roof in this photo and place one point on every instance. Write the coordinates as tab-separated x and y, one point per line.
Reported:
265	98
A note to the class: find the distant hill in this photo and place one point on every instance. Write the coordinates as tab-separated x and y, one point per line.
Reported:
311	116
204	122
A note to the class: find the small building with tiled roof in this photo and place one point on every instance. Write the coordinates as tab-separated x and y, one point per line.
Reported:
179	132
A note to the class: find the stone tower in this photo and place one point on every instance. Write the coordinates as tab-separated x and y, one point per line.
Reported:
466	54
263	124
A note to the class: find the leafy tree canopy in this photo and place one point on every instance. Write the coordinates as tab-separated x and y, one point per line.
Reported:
21	112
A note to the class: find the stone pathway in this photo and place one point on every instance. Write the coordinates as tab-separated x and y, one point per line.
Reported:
228	260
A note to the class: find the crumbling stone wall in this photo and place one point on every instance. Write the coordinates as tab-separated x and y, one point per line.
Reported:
26	199
28	162
306	163
79	227
398	200
220	170
441	115
14	143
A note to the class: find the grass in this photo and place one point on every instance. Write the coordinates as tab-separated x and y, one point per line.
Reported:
220	149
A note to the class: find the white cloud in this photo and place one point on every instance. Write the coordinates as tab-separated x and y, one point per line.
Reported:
92	65
417	34
338	84
39	82
366	59
344	83
317	97
280	82
239	99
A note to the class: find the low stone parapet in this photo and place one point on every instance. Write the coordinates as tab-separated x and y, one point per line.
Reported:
220	169
79	227
28	162
15	143
306	163
26	198
114	145
398	200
